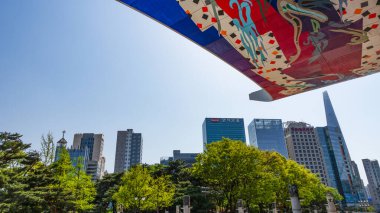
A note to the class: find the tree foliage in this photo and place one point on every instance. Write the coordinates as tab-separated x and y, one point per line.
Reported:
28	184
227	171
47	148
141	191
105	189
235	171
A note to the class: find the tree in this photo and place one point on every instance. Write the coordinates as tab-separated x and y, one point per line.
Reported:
135	189
105	188
83	189
141	191
235	171
162	192
47	148
225	167
72	189
185	184
19	168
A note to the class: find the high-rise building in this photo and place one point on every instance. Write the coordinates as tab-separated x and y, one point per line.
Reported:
79	156
188	158
372	171
94	143
76	155
268	134
214	129
358	184
336	156
128	150
304	148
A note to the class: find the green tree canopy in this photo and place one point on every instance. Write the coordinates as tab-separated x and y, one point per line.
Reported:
235	171
140	191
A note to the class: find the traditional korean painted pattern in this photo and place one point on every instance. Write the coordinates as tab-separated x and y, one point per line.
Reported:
285	46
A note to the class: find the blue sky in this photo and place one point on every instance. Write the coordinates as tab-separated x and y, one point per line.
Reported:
98	66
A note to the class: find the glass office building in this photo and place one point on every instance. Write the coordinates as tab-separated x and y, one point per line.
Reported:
358	184
214	129
328	158
79	156
336	155
94	144
268	134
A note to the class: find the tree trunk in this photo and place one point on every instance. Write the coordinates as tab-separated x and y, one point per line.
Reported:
261	208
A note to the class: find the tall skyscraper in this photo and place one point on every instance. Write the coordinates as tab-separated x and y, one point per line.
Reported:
358	183
128	150
214	129
94	143
372	171
304	148
267	134
336	156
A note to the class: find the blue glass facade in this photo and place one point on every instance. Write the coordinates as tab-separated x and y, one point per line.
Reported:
328	157
79	156
268	134
214	129
335	150
87	141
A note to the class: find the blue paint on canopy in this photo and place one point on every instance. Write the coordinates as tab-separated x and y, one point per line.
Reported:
170	13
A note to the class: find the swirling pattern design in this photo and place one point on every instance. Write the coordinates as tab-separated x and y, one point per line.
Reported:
290	10
248	31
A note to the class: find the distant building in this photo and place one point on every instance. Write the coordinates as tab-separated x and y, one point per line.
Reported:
214	129
79	156
336	156
94	143
165	160
372	171
61	144
304	148
268	134
188	158
128	150
358	183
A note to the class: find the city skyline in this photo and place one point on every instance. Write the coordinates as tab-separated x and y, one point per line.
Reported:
80	83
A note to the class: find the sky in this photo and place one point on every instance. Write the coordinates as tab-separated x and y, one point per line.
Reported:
96	66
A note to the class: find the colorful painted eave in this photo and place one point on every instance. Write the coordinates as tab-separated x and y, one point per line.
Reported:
287	47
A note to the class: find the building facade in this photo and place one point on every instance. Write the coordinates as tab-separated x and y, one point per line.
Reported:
94	144
336	156
304	148
79	156
358	184
268	134
128	150
214	129
372	171
61	144
188	158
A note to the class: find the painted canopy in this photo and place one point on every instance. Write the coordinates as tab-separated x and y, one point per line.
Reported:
285	46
